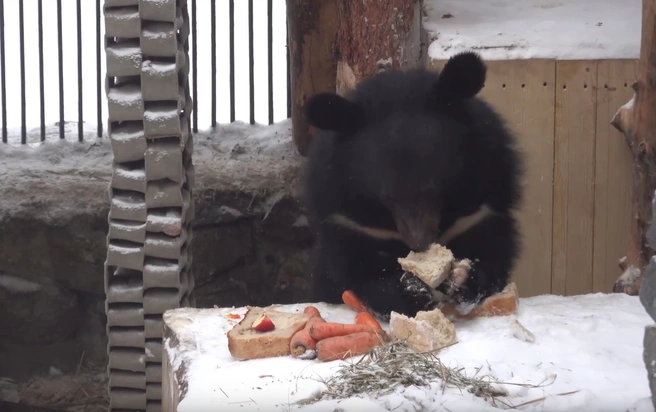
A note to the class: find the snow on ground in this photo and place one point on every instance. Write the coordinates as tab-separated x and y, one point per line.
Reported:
272	139
94	154
587	355
232	155
531	29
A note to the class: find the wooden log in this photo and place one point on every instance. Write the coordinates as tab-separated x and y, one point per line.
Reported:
312	31
637	122
376	35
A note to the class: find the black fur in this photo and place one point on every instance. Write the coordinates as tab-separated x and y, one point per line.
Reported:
410	151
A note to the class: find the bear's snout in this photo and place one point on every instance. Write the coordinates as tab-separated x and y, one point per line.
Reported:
418	229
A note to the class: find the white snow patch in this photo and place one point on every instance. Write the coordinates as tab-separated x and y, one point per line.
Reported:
237	154
161	113
126	95
643	405
127	50
158	68
629	276
123	250
590	345
136	174
155	34
127	203
162	266
629	105
535	29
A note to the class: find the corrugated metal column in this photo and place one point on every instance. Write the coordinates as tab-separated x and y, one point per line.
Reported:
147	270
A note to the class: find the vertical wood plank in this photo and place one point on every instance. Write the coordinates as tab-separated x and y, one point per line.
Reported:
522	91
613	174
573	214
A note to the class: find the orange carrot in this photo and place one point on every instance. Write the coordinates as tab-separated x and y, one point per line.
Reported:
321	331
302	345
351	300
366	318
312	311
342	347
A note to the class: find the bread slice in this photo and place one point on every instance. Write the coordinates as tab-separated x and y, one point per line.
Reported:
245	343
502	304
427	331
431	266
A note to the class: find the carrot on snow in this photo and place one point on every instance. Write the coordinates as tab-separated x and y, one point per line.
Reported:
312	311
351	300
366	318
302	345
342	347
324	330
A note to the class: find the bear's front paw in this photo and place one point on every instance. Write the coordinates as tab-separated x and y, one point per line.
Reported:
458	276
416	290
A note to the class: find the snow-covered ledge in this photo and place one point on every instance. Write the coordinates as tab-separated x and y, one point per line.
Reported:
200	374
534	29
587	355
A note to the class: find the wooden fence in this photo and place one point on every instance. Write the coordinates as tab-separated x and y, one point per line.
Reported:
575	218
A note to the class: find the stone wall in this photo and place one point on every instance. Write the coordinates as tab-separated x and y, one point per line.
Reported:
250	246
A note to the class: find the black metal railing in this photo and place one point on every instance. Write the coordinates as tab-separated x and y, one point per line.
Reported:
82	81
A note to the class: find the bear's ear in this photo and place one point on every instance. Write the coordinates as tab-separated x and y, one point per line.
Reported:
330	111
462	77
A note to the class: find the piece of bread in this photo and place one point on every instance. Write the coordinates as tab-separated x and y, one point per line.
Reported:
501	304
431	266
427	331
246	343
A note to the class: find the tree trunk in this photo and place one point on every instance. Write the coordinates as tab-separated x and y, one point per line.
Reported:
376	35
637	121
312	30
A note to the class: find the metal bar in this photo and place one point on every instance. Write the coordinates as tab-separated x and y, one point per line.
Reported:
213	42
99	76
60	50
21	39
80	113
270	56
3	76
251	62
231	17
42	85
194	66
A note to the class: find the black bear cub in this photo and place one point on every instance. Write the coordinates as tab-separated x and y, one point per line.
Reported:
406	159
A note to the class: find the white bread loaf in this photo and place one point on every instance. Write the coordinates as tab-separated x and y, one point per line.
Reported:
246	343
431	266
427	331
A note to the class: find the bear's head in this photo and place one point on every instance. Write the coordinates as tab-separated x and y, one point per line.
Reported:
399	141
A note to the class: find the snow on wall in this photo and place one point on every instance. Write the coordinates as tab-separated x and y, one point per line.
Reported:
534	29
94	153
249	157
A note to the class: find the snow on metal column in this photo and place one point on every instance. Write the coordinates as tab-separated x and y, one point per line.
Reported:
147	270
